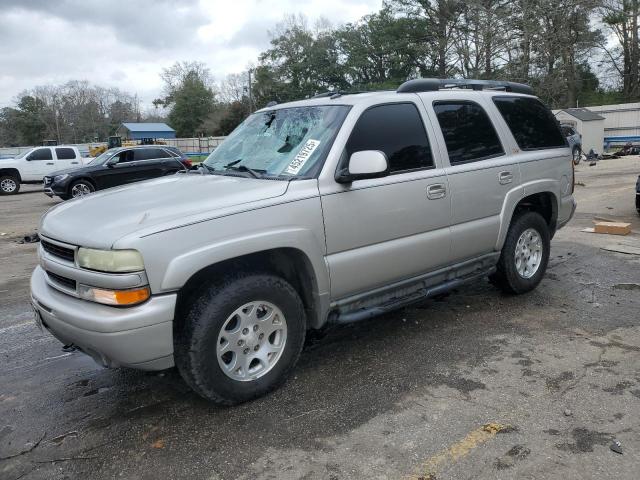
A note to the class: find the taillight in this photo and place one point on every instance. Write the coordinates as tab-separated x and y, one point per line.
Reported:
573	175
187	163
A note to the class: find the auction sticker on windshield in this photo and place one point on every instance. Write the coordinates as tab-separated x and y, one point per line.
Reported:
302	156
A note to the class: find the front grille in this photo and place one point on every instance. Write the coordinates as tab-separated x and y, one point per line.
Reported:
58	251
64	281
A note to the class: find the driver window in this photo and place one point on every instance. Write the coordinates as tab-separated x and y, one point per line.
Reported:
124	157
40	154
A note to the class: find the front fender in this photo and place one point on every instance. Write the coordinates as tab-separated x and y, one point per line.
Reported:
182	267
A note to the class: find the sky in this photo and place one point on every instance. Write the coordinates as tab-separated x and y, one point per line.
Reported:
127	43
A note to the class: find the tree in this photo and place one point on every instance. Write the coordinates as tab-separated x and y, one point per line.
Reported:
29	124
189	95
621	18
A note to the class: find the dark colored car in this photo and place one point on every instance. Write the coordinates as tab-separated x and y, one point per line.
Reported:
114	167
638	194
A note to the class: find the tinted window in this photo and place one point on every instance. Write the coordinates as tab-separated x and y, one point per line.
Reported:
398	131
532	124
124	156
65	154
468	132
41	154
148	153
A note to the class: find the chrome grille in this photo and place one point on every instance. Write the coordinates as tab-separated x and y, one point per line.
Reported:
64	281
58	251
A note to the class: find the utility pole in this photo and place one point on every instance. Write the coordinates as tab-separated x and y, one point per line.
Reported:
250	95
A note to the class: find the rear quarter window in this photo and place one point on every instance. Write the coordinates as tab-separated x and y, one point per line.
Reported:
533	125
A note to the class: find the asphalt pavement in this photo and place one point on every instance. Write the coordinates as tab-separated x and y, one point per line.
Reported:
474	385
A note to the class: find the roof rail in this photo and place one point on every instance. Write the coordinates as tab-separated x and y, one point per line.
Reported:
435	84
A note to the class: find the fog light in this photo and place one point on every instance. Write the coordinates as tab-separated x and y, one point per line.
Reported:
114	297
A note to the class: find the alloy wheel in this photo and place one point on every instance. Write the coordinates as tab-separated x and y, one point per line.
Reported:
528	253
8	185
251	341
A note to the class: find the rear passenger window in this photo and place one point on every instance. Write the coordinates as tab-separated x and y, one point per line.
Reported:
533	125
397	130
146	153
468	132
65	154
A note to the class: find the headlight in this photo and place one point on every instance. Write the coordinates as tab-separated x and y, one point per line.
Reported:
60	178
112	261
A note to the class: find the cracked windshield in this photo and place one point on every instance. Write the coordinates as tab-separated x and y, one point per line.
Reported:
290	142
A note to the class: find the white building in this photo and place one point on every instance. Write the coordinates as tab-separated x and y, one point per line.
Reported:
588	124
622	120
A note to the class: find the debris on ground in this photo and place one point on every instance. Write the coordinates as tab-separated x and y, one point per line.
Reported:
621	248
613	228
567	412
616	446
610	228
627	286
31	238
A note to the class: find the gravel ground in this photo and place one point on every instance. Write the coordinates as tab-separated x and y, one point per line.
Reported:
476	385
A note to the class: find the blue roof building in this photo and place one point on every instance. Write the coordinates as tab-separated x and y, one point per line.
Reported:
138	131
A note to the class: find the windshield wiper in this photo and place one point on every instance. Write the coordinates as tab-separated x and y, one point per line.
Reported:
210	169
243	168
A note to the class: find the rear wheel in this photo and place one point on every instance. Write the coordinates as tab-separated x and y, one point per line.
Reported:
525	254
241	337
80	188
9	185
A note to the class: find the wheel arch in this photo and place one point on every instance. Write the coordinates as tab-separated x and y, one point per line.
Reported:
11	171
544	202
290	263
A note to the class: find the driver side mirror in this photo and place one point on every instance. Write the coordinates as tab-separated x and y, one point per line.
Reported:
112	161
364	164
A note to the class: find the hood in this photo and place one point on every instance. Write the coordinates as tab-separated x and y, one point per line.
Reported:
76	170
99	219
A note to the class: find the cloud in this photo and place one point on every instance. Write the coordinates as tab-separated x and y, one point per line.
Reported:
127	43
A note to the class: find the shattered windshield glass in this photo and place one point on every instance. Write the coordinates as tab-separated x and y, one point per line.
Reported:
290	142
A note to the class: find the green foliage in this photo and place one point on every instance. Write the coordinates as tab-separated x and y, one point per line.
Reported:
232	116
191	102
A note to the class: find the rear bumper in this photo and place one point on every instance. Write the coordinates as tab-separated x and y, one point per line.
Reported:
567	210
138	337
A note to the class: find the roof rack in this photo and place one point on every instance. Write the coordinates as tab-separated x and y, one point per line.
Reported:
338	93
435	84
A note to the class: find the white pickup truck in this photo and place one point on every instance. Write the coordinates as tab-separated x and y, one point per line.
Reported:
32	165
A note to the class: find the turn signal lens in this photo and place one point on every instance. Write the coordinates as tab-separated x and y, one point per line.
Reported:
121	298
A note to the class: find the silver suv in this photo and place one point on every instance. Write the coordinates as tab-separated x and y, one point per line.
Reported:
327	210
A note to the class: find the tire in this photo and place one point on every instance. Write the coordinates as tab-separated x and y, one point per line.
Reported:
80	188
511	278
9	185
577	155
205	328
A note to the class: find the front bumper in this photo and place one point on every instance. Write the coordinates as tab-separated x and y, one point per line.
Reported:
138	337
52	190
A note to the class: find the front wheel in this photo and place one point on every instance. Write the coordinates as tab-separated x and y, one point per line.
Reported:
9	185
240	338
80	188
525	254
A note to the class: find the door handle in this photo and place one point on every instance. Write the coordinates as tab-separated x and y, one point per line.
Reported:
436	190
74	163
505	177
50	163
